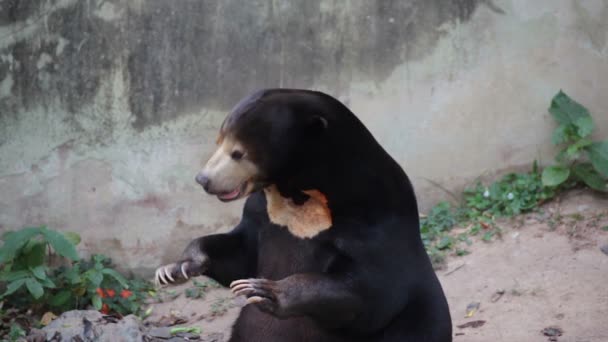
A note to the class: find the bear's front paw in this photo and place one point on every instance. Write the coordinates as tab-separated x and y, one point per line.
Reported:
176	272
265	293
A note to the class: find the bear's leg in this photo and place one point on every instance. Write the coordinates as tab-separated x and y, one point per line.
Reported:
327	299
223	257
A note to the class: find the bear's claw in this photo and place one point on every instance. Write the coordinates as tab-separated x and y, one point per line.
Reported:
167	274
256	290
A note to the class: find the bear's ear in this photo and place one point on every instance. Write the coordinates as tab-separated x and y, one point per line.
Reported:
317	125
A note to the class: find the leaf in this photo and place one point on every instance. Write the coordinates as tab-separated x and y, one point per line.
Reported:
60	244
598	154
14	275
60	298
96	302
34	287
555	175
559	135
72	237
487	236
191	330
123	282
445	243
587	174
38	272
13	286
565	110
47	318
35	255
13	241
94	276
48	283
584	126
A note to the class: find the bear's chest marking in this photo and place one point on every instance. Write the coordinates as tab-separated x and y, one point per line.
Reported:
304	221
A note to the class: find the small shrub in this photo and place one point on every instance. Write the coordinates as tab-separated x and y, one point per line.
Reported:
23	259
513	194
29	281
580	158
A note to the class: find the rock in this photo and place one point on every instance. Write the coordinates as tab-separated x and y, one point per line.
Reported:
72	323
604	249
162	332
90	325
36	335
216	337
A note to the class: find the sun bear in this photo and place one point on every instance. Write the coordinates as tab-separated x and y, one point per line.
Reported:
329	246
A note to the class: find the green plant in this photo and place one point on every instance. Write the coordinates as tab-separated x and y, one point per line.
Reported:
84	278
78	283
580	158
16	332
439	220
513	194
200	289
23	259
220	306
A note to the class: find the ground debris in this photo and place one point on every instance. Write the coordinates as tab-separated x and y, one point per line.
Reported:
472	324
497	295
552	332
472	308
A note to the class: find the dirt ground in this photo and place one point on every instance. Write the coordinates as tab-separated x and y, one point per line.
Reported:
547	270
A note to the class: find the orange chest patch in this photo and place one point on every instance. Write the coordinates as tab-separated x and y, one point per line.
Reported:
304	221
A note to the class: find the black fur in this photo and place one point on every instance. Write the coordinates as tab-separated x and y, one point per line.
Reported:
368	277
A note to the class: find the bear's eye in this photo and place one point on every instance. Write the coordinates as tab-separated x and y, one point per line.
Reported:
236	155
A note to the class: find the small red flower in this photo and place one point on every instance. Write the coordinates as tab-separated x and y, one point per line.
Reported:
100	292
126	293
105	309
111	293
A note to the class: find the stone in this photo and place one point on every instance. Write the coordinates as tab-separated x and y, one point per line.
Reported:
89	325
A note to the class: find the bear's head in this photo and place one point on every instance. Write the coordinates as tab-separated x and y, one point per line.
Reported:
267	139
312	156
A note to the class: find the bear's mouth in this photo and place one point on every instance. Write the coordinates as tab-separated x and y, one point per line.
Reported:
235	194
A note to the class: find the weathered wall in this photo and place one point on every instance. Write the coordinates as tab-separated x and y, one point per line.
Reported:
109	107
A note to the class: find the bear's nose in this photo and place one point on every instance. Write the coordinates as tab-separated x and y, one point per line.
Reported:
203	180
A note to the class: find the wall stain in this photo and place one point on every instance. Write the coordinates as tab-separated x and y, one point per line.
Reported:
152	201
182	56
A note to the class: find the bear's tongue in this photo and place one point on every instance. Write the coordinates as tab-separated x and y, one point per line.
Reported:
230	195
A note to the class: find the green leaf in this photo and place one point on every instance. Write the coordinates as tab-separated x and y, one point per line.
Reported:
487	236
445	243
559	135
13	241
60	244
587	174
555	175
94	276
73	275
72	237
39	272
14	275
48	283
34	287
60	298
598	154
97	302
35	254
584	126
13	286
565	110
123	282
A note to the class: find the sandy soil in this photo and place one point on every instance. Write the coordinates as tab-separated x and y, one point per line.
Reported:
548	267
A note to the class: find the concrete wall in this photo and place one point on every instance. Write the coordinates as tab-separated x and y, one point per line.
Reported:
108	108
